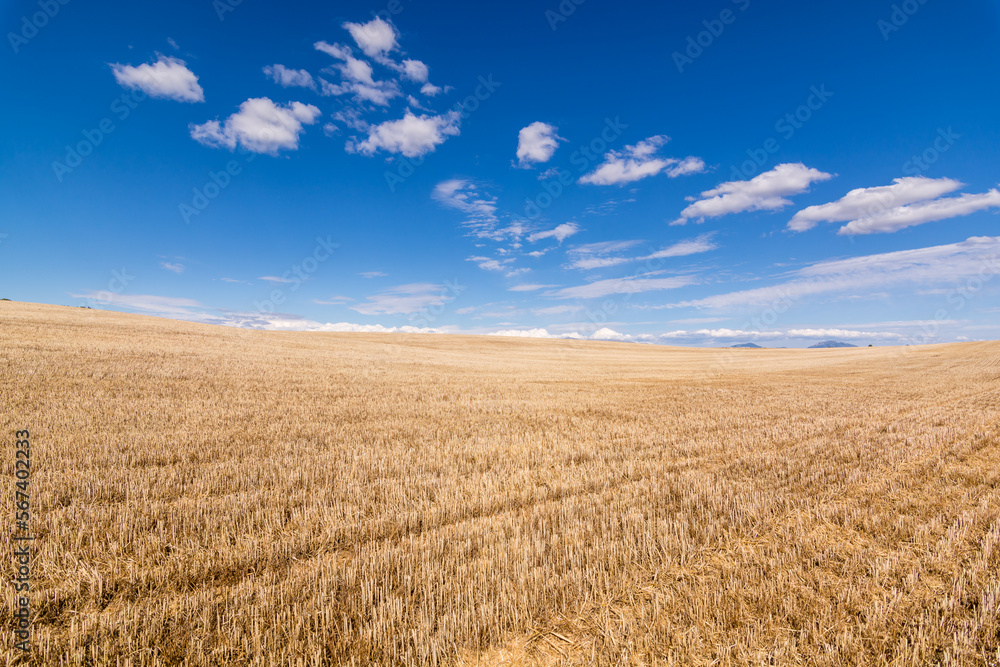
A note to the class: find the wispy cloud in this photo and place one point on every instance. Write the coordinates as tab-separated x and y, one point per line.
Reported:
629	285
479	208
943	264
176	267
600	255
559	233
404	299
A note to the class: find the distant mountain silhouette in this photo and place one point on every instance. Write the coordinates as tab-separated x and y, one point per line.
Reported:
749	345
830	343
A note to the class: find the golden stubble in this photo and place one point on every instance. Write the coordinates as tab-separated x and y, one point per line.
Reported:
214	496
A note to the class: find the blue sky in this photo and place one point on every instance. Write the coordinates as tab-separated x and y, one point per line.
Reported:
726	172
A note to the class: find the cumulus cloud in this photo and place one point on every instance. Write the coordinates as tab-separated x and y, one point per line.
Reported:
415	71
559	233
411	135
907	202
376	38
260	126
636	162
766	192
536	144
531	333
288	78
934	265
166	78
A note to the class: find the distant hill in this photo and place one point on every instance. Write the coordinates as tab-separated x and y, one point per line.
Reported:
749	345
830	343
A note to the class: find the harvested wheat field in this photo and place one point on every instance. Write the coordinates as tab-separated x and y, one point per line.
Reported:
215	496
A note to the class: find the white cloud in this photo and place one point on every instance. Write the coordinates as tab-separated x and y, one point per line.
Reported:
430	90
415	71
560	233
351	68
628	285
160	305
480	209
490	264
842	334
358	78
171	266
404	299
376	38
556	310
526	333
598	255
764	192
412	135
536	144
288	78
907	202
166	78
605	333
944	264
334	301
260	126
684	248
372	274
634	163
529	287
